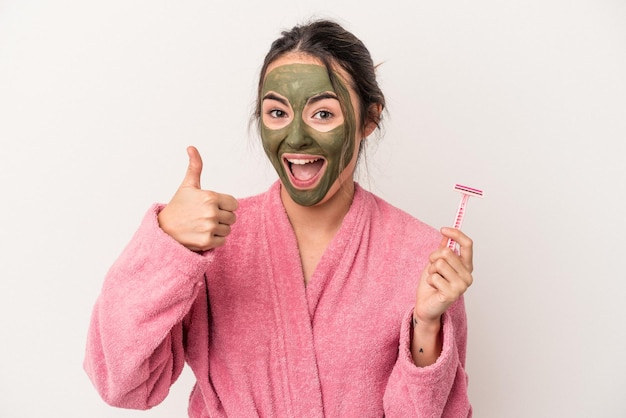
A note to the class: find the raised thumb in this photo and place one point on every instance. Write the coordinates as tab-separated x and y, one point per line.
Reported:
194	170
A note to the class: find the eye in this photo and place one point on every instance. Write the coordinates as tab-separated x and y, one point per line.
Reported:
277	114
323	115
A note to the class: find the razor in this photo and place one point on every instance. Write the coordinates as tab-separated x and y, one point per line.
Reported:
466	193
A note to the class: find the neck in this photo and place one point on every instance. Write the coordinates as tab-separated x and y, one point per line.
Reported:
326	216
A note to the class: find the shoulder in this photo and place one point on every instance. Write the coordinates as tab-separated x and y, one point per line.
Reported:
251	205
399	225
255	211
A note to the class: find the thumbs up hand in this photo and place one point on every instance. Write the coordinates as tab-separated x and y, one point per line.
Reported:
198	219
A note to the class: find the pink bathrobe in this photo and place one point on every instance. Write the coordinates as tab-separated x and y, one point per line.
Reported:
262	344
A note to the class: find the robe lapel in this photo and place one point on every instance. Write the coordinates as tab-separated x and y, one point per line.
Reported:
295	334
335	265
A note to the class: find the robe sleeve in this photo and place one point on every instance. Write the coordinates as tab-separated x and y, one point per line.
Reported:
135	340
439	390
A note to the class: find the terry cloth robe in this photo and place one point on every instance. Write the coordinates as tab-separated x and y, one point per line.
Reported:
259	341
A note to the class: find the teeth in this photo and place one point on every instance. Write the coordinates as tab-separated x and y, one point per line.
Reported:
302	162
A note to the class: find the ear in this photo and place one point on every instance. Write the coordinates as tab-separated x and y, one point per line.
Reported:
373	119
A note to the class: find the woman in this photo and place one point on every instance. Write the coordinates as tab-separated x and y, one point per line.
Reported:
320	300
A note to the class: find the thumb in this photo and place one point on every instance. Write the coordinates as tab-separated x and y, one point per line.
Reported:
194	170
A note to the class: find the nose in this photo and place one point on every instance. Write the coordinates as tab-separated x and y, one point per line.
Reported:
297	137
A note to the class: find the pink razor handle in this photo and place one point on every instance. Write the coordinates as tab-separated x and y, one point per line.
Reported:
460	213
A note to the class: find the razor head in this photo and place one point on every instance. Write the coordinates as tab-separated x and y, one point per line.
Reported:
468	190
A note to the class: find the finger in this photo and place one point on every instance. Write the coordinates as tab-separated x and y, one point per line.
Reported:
445	293
212	242
194	169
450	257
221	230
217	241
226	217
227	202
452	270
457	235
465	242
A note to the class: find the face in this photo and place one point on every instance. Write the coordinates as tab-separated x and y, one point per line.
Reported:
308	129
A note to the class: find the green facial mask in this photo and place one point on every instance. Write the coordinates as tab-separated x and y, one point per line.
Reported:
298	83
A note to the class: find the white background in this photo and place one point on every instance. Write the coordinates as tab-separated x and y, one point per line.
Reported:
524	99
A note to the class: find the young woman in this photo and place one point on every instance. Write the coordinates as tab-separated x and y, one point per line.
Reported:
318	298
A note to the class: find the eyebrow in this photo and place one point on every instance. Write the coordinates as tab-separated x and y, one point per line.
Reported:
322	96
312	100
272	96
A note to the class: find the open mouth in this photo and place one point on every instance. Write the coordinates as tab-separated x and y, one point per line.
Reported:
304	170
